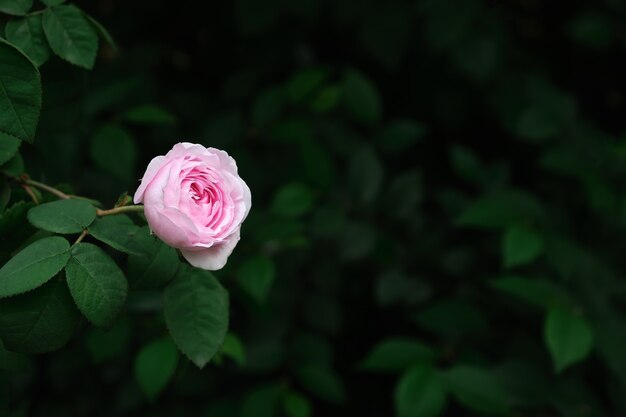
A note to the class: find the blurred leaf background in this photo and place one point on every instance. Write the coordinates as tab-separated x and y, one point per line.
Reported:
438	215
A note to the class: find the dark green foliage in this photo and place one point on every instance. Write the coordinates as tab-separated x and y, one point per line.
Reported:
33	266
196	312
96	283
63	216
438	220
70	35
27	34
20	96
39	321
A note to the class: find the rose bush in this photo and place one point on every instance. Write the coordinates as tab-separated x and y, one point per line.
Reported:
195	201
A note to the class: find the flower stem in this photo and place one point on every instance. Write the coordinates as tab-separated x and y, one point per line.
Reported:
82	236
27	183
118	210
47	188
30	193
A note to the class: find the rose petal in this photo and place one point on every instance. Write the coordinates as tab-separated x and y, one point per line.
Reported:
226	161
171	226
151	171
215	257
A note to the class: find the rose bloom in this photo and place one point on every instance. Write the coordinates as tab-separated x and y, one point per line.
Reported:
195	201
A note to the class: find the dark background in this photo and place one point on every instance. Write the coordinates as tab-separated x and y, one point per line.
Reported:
432	107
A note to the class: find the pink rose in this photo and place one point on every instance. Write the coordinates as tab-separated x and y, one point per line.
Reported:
195	201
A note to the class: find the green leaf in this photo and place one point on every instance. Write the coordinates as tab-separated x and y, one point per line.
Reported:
20	94
568	336
14	167
536	123
521	246
9	146
365	175
407	192
52	2
397	354
452	318
27	34
396	288
540	292
501	209
293	200
268	106
70	35
101	30
591	29
63	216
96	283
291	131
156	265
356	240
116	231
196	313
305	82
322	382
361	98
114	150
255	277
420	393
234	349
316	163
296	405
400	135
311	348
33	266
524	380
327	99
149	114
466	164
40	321
262	401
155	366
15	7
477	389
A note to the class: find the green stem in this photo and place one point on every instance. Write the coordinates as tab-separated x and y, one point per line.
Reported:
30	193
81	237
60	194
118	210
47	188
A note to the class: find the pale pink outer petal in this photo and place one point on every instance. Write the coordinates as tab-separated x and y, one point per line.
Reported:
183	149
247	198
215	257
171	226
151	171
226	161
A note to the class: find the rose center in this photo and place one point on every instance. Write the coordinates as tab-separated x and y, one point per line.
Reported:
201	195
